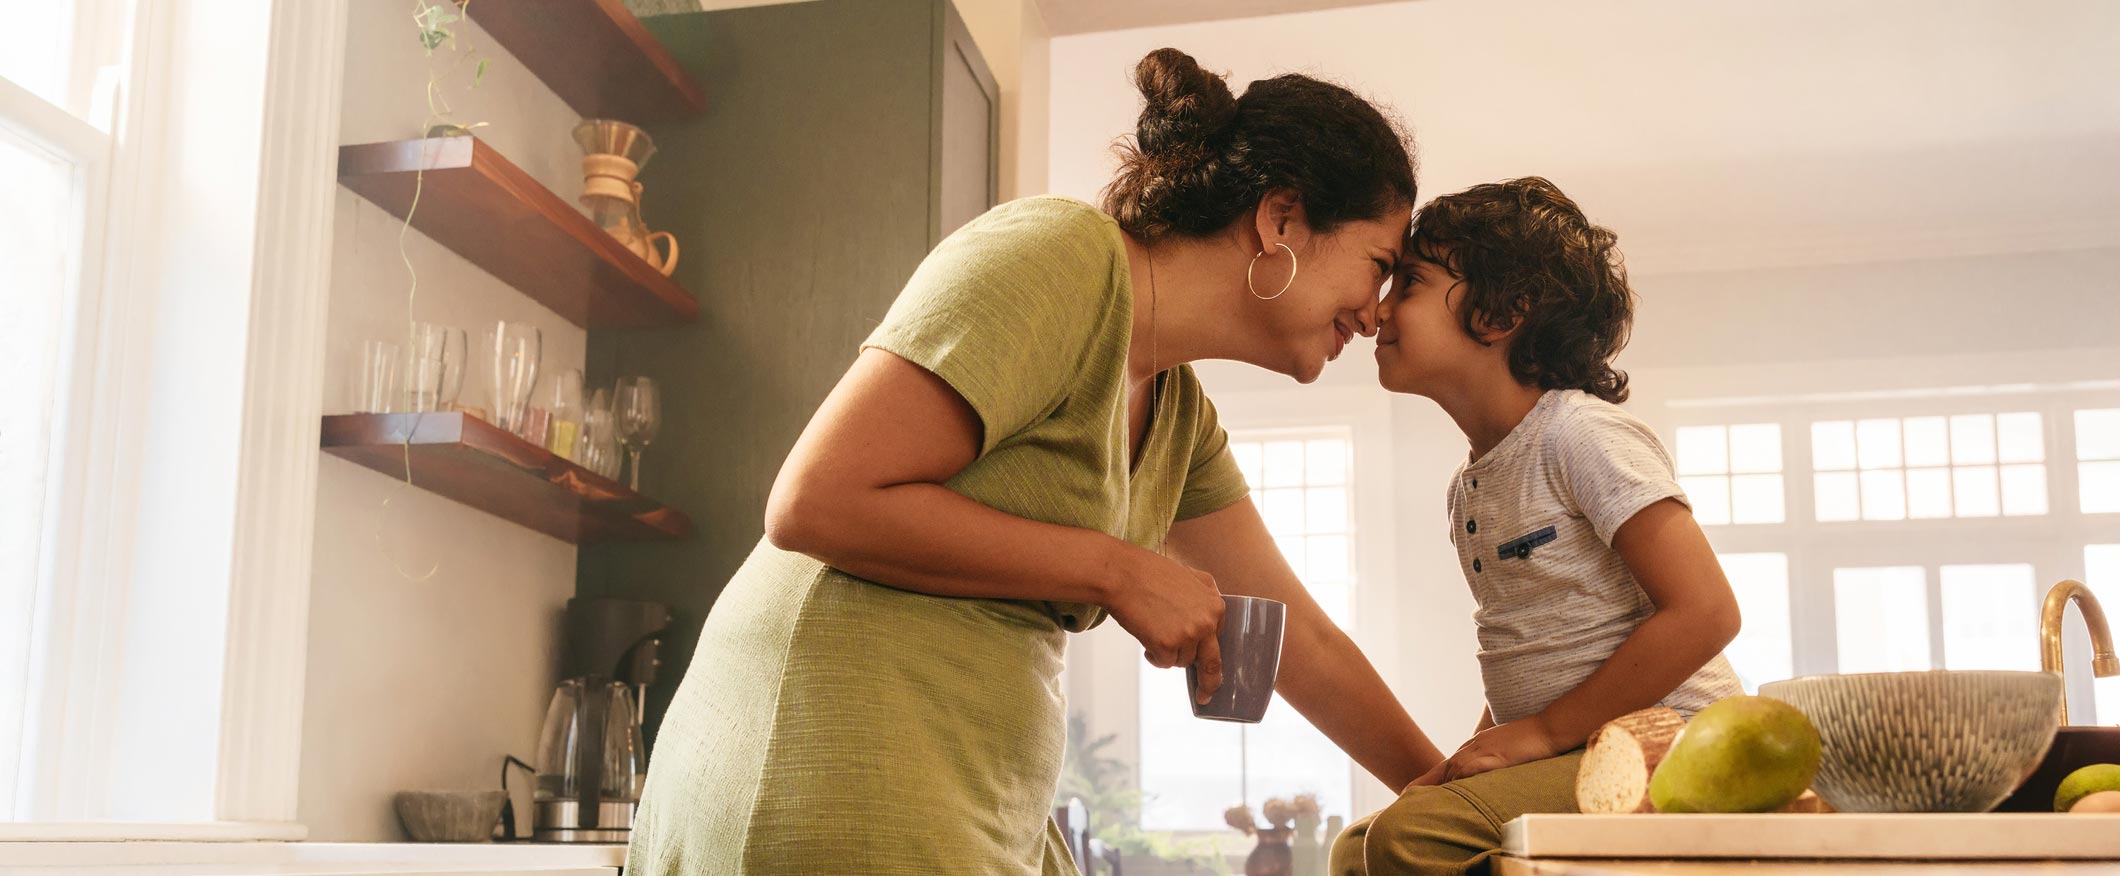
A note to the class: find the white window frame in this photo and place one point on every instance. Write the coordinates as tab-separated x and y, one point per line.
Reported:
2051	543
1103	678
257	245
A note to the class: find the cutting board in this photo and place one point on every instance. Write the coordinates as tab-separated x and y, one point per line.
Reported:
1921	837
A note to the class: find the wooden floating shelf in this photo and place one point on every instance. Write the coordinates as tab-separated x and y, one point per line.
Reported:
484	208
467	459
595	54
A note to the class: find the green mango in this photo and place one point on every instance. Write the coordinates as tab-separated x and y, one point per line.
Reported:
2086	781
1742	754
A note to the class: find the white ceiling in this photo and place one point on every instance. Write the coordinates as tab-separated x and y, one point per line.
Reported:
1711	136
1086	16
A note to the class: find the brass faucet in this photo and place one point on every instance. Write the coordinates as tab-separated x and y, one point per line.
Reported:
2104	663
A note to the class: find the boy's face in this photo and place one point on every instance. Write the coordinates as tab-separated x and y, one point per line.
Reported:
1421	345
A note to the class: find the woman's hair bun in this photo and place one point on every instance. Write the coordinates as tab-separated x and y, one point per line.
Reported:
1187	107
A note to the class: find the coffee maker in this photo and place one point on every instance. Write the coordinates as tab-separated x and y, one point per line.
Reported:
591	759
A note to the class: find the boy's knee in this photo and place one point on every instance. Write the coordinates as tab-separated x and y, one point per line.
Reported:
1428	830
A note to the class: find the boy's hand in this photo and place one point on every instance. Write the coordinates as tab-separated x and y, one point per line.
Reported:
1494	748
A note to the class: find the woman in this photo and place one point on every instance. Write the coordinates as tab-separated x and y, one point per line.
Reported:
877	689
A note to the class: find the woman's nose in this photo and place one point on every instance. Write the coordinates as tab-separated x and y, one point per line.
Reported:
1370	319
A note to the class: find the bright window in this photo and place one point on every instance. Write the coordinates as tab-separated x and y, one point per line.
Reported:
1990	617
2101	570
1191	770
1916	468
1732	474
1762	651
1881	618
2098	460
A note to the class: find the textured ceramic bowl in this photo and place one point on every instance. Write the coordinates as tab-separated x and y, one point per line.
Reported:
1941	741
449	816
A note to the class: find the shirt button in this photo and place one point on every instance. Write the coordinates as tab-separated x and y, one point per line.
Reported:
1475	565
1472	526
1475	483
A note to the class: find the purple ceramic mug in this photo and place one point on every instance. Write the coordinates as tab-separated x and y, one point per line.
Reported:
1251	657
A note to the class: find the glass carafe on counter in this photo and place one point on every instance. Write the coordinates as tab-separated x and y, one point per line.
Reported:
613	153
590	762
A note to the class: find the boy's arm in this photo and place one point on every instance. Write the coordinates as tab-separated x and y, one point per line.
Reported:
1696	616
1323	675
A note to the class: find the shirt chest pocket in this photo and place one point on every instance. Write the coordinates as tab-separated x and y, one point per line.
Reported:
1522	546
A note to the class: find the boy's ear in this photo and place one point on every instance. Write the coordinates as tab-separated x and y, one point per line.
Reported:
1500	328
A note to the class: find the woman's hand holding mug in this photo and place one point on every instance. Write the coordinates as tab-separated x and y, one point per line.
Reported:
1175	612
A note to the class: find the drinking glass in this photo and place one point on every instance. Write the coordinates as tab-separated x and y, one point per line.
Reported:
376	383
456	354
638	410
427	365
516	348
597	448
566	413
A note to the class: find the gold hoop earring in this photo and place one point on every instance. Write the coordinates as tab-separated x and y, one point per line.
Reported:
1284	286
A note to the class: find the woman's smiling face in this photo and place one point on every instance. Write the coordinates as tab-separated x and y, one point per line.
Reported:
1333	297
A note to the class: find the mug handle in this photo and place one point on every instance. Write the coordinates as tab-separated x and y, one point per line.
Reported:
670	263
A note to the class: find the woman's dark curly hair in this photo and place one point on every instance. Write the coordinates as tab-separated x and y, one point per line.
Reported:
1527	253
1202	157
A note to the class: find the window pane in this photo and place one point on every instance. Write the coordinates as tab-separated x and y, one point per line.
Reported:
2023	490
1189	767
1878	443
1881	618
1295	549
1283	510
1284	463
1975	491
2101	570
1762	651
1248	456
36	47
2098	487
1286	757
1833	445
1972	439
1755	448
1928	441
1327	510
1928	493
2020	438
1990	619
1325	462
2098	434
1836	495
1884	495
1325	561
1703	450
1756	499
1710	495
36	190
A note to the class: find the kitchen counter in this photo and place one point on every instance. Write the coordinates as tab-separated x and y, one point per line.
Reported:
1523	867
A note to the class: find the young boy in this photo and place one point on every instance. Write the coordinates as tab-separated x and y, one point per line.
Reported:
1598	594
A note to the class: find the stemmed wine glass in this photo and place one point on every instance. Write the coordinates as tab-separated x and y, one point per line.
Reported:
638	409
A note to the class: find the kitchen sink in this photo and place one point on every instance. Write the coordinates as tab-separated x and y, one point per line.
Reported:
2073	747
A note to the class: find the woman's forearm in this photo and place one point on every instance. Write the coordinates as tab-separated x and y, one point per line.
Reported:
1328	679
925	538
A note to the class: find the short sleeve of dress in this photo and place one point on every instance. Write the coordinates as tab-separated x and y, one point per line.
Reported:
1212	479
1004	309
1612	466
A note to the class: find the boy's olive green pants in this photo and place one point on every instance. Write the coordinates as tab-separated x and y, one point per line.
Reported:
1454	828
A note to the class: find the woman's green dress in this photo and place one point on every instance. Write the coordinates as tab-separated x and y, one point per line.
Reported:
829	724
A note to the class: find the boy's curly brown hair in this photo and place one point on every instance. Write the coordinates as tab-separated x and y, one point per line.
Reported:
1527	253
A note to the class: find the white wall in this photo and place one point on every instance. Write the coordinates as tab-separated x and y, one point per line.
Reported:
426	682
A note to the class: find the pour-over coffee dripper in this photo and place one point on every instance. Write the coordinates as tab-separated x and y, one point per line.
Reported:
613	153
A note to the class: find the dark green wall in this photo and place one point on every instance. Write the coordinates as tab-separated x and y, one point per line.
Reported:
801	200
